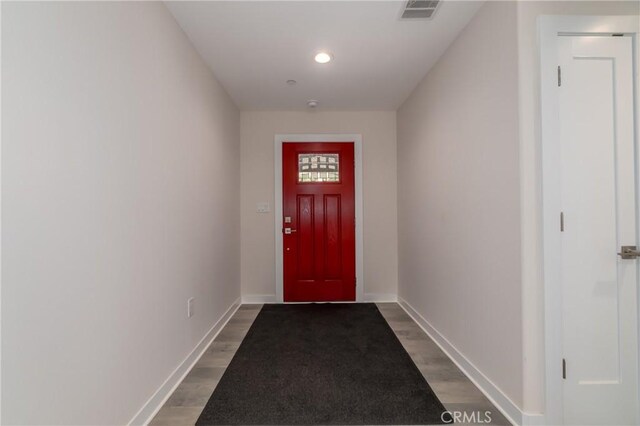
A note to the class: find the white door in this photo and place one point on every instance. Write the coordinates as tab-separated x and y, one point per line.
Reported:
598	201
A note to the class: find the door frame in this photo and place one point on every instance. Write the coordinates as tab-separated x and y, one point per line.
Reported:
549	28
356	139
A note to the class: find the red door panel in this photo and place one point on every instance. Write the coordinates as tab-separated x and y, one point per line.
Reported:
319	211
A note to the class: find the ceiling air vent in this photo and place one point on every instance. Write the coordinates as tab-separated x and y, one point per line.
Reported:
420	9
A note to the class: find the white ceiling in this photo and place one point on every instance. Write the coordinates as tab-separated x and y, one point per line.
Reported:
254	47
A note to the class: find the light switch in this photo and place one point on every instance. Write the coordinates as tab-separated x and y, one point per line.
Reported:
263	208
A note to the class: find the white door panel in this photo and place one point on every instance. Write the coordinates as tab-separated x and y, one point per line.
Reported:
599	205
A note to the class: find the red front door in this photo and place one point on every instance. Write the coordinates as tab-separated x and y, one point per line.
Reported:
319	222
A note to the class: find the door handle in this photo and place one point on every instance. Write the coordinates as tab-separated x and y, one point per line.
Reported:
289	231
629	252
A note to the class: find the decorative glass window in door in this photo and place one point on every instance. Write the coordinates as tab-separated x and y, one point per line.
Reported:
318	168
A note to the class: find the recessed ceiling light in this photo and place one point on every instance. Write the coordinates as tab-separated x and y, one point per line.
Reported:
312	103
291	82
323	57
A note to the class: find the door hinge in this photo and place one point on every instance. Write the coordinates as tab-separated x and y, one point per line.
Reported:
561	221
564	368
559	76
355	282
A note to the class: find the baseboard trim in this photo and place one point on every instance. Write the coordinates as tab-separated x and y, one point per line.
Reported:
256	299
153	405
502	402
380	297
253	299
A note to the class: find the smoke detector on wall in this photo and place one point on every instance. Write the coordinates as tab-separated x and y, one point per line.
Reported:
420	9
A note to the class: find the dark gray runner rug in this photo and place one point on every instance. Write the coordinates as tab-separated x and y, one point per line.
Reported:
321	364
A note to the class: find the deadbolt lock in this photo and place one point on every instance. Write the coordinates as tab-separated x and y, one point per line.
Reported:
629	252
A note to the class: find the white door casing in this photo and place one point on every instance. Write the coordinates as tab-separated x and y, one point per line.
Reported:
588	133
279	139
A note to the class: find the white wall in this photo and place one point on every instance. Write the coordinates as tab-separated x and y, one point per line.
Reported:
530	177
378	131
120	169
459	199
